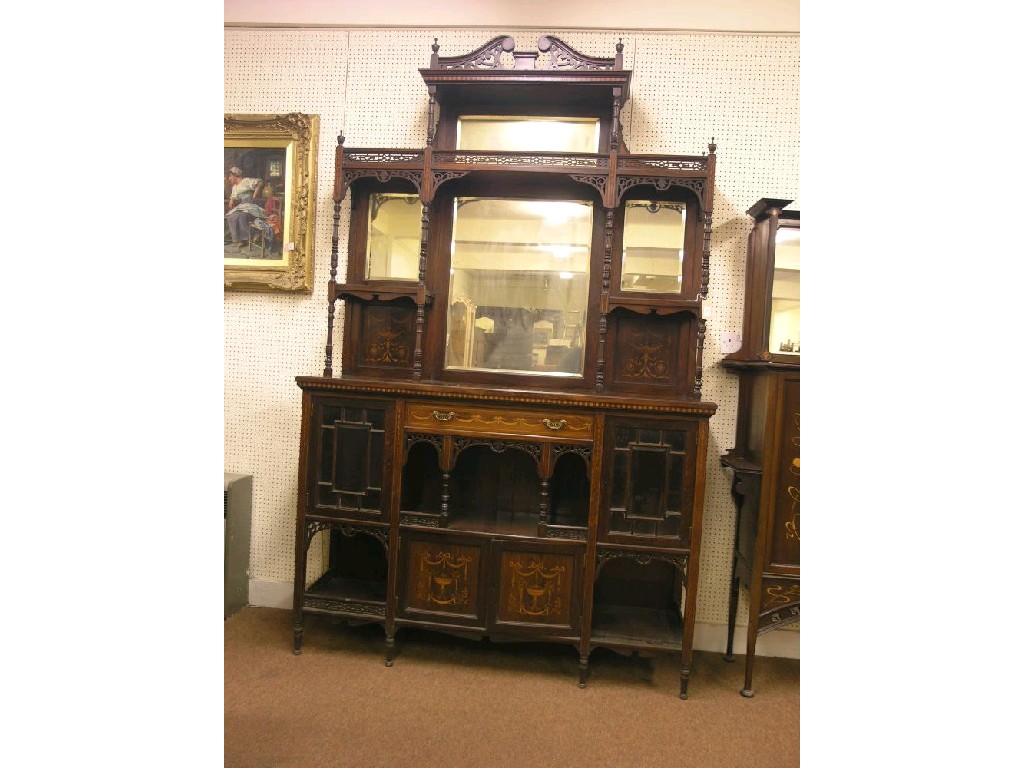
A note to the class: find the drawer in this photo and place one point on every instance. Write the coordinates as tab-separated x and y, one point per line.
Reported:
472	420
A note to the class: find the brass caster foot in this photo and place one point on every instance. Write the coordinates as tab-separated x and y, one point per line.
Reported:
729	657
747	693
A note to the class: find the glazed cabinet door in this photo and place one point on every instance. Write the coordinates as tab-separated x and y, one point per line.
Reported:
649	481
349	463
537	587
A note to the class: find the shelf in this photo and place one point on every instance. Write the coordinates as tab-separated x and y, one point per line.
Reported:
628	627
333	587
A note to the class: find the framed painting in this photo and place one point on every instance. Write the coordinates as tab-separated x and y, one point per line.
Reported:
269	201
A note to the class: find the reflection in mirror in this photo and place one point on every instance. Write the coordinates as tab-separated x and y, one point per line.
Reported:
520	277
652	246
393	244
784	330
528	134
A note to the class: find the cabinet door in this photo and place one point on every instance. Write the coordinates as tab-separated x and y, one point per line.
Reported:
783	493
537	587
350	458
649	481
442	579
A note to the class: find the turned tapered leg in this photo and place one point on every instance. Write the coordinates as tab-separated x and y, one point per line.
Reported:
298	638
684	680
584	670
389	651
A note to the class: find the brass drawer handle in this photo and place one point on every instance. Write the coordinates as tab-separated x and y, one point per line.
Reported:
443	416
555	424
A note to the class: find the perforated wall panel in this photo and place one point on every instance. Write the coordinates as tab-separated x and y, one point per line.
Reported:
740	89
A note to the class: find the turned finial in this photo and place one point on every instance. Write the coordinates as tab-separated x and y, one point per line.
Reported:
341	139
712	146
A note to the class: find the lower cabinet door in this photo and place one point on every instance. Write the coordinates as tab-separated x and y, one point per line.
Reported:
442	580
536	588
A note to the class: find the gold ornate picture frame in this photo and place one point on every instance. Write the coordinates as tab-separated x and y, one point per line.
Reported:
269	201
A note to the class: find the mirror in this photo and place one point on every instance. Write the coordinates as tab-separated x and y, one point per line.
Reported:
784	328
528	134
652	246
519	282
393	243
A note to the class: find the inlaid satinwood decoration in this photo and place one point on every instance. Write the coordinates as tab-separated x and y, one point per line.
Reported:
535	590
388	336
785	534
647	351
648	360
780	605
793	524
443	578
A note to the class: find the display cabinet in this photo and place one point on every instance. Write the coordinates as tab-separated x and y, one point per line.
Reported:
765	460
516	445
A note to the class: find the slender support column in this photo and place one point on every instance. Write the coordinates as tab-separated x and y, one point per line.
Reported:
699	380
606	277
445	478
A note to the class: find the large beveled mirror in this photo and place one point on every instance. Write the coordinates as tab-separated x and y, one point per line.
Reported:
652	246
519	282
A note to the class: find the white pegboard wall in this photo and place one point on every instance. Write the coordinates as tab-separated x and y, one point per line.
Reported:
741	89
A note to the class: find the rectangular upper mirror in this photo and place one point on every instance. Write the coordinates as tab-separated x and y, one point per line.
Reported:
652	246
784	330
393	240
520	278
528	134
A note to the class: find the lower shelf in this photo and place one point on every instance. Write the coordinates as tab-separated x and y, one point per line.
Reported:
616	626
357	597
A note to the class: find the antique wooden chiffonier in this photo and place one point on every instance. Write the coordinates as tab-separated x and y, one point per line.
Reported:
516	445
766	458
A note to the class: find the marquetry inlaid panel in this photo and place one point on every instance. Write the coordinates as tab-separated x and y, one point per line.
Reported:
536	588
388	336
443	579
785	533
646	354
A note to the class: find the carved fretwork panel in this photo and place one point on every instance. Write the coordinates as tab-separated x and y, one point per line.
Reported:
651	490
536	588
350	460
659	183
387	337
443	578
785	530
